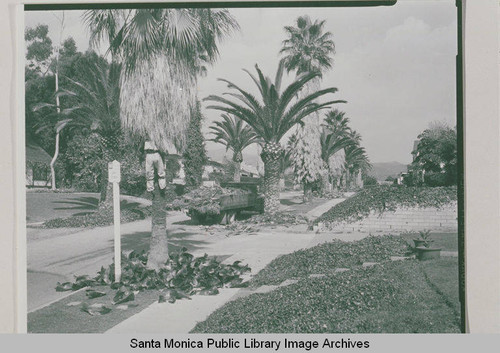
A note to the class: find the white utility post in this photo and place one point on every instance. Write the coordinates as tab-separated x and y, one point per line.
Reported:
114	177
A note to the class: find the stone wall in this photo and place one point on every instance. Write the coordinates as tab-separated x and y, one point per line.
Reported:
401	220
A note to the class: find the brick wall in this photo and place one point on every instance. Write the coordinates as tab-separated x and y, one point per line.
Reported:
403	219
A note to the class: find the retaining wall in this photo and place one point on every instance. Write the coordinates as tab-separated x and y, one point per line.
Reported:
401	220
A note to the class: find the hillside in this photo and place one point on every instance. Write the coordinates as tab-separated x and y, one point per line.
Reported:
382	170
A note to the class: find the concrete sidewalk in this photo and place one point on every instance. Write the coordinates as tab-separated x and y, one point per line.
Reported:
319	210
256	250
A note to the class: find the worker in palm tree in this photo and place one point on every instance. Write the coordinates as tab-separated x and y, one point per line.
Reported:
154	160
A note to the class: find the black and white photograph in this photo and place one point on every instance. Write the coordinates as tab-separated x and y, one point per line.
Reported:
246	169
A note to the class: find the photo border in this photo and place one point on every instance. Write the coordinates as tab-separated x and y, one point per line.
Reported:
462	214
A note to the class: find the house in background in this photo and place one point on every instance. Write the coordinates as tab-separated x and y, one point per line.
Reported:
248	170
37	166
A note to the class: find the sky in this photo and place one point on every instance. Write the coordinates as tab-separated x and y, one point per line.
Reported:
395	66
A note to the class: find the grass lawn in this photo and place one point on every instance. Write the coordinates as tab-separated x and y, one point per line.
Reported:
43	206
445	241
61	318
393	297
442	274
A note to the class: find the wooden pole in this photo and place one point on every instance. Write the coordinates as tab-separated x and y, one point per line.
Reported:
116	219
114	177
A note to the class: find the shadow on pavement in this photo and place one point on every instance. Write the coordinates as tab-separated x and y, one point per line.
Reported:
91	204
139	241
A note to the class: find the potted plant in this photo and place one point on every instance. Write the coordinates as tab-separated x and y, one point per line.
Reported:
423	249
424	240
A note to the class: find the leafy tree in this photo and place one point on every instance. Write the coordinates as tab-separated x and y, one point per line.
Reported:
436	154
308	49
272	118
161	51
91	107
236	135
38	48
195	156
43	58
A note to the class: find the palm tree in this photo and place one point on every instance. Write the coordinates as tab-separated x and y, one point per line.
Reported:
356	162
335	134
98	103
271	118
334	140
161	51
236	135
308	49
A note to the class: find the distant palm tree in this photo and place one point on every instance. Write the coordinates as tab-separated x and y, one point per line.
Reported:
340	148
236	135
308	49
356	159
161	50
272	118
335	134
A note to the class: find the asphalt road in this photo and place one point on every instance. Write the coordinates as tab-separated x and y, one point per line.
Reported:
58	255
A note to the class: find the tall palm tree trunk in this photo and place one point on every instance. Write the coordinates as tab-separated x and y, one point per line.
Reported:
307	153
158	248
271	154
237	172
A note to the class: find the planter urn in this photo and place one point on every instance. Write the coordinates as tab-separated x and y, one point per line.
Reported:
422	242
424	253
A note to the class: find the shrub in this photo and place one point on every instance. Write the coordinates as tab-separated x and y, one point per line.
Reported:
369	180
102	217
436	179
133	178
387	197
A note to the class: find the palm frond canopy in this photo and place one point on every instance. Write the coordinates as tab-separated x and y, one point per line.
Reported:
331	144
233	133
141	34
356	158
95	102
336	134
97	98
276	112
307	48
161	51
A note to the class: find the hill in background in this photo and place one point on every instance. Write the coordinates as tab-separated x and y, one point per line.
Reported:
382	170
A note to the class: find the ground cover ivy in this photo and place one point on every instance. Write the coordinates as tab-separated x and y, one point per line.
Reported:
389	297
387	198
99	218
182	276
325	258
